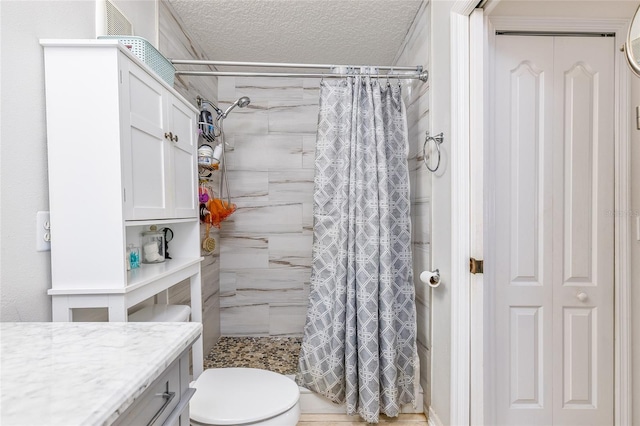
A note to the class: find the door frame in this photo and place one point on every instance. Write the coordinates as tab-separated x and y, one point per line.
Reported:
471	331
460	392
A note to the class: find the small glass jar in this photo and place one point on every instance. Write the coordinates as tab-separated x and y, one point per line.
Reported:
152	245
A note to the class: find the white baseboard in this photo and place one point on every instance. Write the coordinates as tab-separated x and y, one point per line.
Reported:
433	419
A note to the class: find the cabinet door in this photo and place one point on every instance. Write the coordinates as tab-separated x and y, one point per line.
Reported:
146	156
184	184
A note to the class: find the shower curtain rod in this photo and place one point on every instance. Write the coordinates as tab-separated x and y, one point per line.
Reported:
423	76
417	71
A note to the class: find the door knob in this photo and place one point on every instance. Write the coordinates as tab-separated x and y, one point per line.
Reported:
582	296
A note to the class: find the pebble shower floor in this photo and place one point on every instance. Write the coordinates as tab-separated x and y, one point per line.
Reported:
278	354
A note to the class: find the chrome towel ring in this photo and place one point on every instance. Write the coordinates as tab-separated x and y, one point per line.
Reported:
437	139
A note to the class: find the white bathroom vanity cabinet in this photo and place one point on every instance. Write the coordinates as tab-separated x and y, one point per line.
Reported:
96	373
122	157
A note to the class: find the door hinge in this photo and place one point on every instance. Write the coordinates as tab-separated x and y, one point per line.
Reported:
476	266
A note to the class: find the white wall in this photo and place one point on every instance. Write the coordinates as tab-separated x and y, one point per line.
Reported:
26	274
634	216
143	14
566	8
440	111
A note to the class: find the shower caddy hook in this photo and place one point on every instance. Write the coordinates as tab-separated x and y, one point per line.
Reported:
437	139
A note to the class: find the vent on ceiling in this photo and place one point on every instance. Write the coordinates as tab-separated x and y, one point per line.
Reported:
115	21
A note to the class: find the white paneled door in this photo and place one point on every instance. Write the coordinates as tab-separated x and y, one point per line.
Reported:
554	192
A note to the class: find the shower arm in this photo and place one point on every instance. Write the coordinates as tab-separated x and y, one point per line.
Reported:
200	101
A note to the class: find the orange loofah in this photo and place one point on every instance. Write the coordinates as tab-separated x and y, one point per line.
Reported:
219	210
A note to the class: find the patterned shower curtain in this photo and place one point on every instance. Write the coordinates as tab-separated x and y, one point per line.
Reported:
359	337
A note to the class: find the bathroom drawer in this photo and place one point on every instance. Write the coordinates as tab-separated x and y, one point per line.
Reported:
180	415
159	400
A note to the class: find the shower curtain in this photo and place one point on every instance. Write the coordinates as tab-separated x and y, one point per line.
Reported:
359	338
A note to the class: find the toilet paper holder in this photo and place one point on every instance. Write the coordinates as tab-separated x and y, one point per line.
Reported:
431	278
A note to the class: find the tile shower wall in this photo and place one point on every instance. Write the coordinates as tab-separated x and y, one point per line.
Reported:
265	252
175	42
415	51
266	245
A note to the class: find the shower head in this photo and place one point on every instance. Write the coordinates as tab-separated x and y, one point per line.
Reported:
242	102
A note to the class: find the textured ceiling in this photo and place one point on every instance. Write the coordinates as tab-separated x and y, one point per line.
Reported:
349	32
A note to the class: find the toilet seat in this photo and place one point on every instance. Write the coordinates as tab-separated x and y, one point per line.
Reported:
236	396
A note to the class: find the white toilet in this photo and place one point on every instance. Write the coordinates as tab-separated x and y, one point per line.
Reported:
162	313
244	396
233	396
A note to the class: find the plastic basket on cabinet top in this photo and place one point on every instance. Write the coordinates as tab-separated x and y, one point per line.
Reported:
148	54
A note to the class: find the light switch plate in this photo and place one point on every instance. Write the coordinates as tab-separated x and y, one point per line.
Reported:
43	231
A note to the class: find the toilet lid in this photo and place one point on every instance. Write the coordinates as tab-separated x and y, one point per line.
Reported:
231	396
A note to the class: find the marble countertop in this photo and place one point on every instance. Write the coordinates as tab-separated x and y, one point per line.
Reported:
82	373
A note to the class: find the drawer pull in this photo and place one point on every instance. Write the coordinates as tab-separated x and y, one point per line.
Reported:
168	396
181	408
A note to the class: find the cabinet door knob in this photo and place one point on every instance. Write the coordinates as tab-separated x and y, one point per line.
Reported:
175	138
168	136
582	296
